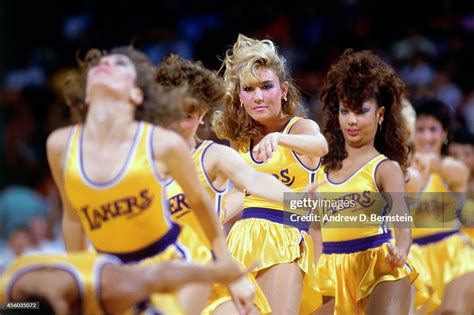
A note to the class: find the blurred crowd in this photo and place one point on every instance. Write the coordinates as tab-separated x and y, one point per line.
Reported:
430	44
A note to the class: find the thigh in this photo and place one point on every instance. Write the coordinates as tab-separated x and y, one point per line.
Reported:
456	294
328	306
193	297
390	297
282	285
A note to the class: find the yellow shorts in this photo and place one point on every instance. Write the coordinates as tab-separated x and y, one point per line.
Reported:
272	243
423	283
448	255
184	248
351	276
469	232
220	295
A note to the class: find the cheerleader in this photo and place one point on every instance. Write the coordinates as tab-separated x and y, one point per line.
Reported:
259	121
361	267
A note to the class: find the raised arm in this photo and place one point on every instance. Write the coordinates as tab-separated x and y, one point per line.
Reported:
304	138
455	173
227	161
173	153
390	178
73	233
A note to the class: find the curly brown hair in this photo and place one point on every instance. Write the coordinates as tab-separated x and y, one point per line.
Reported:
355	78
159	106
241	63
204	85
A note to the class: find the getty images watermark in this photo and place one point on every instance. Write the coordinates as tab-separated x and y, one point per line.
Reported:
364	209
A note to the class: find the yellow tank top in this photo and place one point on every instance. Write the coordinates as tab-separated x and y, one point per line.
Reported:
179	206
285	166
355	202
129	215
86	269
433	208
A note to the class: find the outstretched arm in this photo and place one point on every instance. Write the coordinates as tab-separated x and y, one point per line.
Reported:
125	286
175	156
227	161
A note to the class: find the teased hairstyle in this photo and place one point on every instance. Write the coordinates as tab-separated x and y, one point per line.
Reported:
204	85
158	106
241	63
357	77
435	108
438	110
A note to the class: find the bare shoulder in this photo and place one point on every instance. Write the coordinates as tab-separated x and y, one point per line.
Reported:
57	140
389	176
220	149
389	168
166	142
305	126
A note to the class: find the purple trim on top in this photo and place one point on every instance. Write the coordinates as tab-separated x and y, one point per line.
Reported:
219	200
183	252
204	169
303	165
150	250
375	171
292	124
356	245
384	228
160	179
43	266
353	174
198	146
68	147
165	206
122	171
425	240
251	156
251	142
295	154
289	121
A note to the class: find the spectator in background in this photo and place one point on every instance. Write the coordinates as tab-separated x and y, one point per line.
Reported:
18	204
41	237
19	240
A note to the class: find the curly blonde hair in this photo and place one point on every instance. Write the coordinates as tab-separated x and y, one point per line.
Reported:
241	64
159	105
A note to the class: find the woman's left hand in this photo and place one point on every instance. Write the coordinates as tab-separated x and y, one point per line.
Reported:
396	257
265	148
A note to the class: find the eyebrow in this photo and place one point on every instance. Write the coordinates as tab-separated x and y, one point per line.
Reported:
257	83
